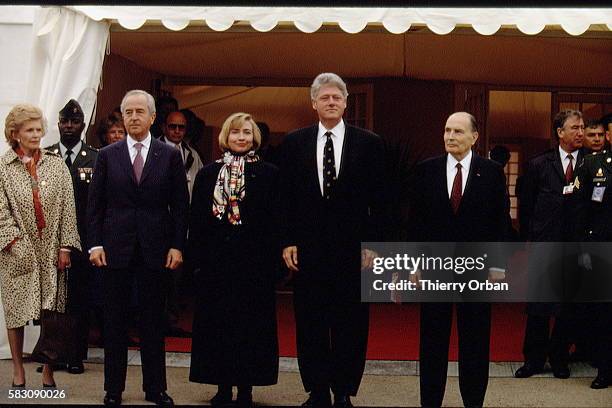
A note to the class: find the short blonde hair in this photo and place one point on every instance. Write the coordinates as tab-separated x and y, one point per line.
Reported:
19	115
235	121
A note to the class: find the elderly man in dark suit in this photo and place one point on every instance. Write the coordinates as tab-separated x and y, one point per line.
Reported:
457	197
547	204
80	159
137	215
332	186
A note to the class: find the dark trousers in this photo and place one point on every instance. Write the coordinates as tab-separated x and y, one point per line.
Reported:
474	329
602	335
150	294
78	304
540	342
332	335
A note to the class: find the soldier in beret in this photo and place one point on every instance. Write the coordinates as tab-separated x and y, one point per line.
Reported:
80	159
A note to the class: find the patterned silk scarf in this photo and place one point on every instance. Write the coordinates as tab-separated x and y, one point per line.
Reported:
30	165
230	188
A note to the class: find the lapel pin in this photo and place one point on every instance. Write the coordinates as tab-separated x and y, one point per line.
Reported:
83	153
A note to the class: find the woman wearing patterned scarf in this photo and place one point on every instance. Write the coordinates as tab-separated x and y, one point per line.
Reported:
37	230
233	241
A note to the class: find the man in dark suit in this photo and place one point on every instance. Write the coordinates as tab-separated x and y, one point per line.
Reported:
547	206
80	159
457	197
137	216
332	186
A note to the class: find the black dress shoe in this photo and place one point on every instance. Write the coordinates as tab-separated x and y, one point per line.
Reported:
318	400
221	399
76	368
112	400
561	371
244	401
159	398
342	401
600	382
527	370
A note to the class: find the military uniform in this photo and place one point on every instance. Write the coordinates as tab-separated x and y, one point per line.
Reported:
81	272
593	184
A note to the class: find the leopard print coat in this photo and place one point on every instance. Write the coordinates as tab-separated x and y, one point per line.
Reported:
28	273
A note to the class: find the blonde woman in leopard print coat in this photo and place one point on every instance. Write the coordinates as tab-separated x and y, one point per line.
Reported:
37	229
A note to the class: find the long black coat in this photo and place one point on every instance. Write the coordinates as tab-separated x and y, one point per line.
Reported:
234	329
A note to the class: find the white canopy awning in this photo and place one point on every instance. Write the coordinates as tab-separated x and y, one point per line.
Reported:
486	21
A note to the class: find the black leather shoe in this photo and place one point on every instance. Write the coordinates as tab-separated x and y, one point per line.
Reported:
561	371
527	370
244	401
159	398
112	400
318	400
76	368
342	401
221	399
600	382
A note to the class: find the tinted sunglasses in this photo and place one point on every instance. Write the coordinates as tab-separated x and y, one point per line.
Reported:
174	126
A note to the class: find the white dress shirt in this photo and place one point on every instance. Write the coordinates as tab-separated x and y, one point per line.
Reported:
144	150
75	151
451	171
565	161
337	138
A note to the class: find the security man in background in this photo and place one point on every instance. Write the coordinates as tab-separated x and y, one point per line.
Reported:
593	184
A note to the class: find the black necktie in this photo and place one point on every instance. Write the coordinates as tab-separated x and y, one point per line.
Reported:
329	167
69	158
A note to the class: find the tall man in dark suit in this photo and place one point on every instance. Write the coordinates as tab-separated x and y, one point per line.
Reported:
80	159
457	197
547	204
137	215
333	191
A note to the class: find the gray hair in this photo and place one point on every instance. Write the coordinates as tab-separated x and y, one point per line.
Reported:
327	78
134	92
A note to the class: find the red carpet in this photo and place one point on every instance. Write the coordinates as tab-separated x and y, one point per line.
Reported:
394	332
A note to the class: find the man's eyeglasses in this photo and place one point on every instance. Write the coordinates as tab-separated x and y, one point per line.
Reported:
175	126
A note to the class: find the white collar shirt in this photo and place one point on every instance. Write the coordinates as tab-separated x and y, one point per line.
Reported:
144	151
75	151
565	161
451	171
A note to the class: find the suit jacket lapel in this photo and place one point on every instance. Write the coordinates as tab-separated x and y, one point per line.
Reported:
188	156
125	160
81	157
473	177
438	180
556	159
311	157
154	149
347	150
